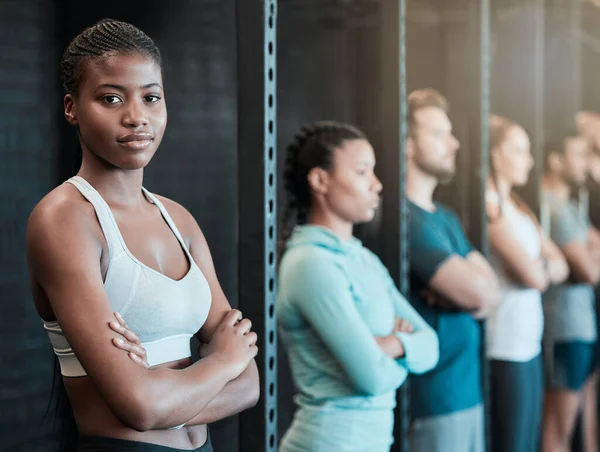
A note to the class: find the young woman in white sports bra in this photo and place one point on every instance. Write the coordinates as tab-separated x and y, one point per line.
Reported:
526	262
101	244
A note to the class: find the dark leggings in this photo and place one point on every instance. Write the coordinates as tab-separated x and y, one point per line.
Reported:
517	390
101	444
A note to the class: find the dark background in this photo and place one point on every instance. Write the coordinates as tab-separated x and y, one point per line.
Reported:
329	67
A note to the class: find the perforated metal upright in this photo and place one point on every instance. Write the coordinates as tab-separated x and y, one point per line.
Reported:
257	231
478	113
394	227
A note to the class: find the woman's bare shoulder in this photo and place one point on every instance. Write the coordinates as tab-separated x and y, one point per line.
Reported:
62	213
184	220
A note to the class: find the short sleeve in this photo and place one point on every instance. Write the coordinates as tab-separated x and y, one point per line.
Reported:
464	245
565	226
429	248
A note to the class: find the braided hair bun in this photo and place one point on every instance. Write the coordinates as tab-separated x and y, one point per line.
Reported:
312	146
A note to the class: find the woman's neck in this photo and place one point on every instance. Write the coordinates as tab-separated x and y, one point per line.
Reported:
117	187
500	186
340	227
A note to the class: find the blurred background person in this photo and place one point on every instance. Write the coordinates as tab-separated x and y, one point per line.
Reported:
452	286
351	337
526	262
570	332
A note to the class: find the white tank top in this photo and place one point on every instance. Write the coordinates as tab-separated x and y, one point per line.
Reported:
514	331
165	313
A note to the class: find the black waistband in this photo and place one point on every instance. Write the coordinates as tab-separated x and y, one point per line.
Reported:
102	444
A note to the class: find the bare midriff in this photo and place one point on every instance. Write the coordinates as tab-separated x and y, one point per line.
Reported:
94	417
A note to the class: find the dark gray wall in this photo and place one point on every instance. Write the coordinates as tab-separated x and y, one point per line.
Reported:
438	55
28	142
590	56
562	63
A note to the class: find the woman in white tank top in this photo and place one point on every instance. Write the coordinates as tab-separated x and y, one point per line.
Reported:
101	244
526	262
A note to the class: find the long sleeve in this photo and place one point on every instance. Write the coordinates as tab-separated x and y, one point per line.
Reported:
421	347
320	290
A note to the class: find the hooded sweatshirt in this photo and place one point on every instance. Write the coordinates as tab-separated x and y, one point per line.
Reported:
334	298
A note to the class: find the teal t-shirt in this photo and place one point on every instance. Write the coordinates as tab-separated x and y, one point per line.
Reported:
455	382
334	298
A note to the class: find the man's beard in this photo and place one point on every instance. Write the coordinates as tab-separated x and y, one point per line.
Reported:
443	175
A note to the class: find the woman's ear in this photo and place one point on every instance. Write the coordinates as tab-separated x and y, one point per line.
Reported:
318	181
70	110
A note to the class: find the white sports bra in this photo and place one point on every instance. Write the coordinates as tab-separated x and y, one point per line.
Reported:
163	312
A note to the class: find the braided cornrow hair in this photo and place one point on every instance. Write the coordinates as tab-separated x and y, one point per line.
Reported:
106	38
311	147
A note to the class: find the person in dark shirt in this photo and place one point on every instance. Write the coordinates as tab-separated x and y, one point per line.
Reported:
452	287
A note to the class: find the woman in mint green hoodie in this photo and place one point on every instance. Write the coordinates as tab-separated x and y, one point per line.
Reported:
351	337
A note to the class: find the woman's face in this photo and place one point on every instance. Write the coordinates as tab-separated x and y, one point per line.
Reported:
594	166
353	188
575	160
120	110
512	159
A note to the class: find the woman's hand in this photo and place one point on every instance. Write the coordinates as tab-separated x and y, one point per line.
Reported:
130	342
392	345
233	342
403	326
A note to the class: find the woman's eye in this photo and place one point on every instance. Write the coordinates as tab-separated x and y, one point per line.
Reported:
111	99
152	99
